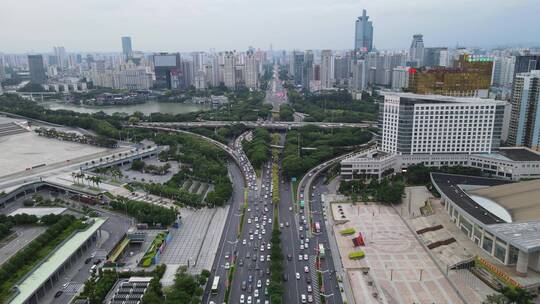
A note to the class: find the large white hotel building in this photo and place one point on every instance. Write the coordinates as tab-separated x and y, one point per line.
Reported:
441	131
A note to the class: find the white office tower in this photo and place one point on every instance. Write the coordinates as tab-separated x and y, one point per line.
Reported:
327	69
503	71
359	75
251	71
229	70
416	53
213	70
433	124
400	78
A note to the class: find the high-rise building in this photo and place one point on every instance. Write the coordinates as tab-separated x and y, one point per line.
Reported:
166	65
363	34
188	73
2	69
342	69
127	51
471	77
400	78
359	75
229	70
526	63
503	71
37	70
435	56
298	63
307	69
433	124
327	69
61	58
251	73
525	116
416	53
198	61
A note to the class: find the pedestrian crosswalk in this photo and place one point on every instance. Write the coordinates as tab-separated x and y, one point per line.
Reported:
73	287
314	279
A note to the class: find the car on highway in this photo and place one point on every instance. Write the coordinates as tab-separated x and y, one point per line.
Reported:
259	284
300	258
306	257
244	242
309	288
310	298
267	282
250	278
268	246
241	262
227	265
259	237
301	246
256	293
262	247
287	224
280	225
303	298
227	255
306	269
262	258
268	258
242	299
249	300
251	237
298	276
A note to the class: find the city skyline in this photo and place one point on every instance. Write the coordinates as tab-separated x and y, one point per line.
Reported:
321	26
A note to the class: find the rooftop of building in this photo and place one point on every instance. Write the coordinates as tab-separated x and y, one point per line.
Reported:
431	98
519	199
41	273
450	185
39	211
486	198
520	154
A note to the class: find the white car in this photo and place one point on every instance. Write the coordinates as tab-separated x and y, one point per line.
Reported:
306	269
306	257
244	242
242	297
268	257
307	240
267	282
259	284
290	208
301	228
301	246
251	237
302	298
309	289
260	237
227	265
298	276
280	225
263	231
249	220
262	247
268	246
249	300
299	257
256	294
262	258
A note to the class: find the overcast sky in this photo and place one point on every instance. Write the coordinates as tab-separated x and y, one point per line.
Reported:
189	25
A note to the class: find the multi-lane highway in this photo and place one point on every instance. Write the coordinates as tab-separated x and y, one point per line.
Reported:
275	94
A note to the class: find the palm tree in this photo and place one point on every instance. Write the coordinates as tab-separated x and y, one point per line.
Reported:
97	180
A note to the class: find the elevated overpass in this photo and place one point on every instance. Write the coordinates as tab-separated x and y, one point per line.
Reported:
281	125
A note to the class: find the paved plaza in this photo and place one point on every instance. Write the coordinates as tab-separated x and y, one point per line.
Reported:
396	268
